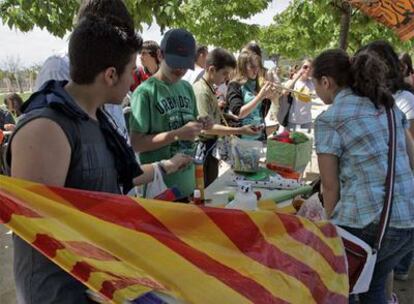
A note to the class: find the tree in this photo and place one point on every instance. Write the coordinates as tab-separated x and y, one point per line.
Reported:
216	22
306	28
12	65
345	22
29	74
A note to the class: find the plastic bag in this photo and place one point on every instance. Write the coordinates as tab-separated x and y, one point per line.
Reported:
157	186
222	150
312	209
245	154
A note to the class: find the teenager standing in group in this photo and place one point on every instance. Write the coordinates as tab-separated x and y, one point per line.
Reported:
219	65
351	139
246	98
193	75
164	112
300	115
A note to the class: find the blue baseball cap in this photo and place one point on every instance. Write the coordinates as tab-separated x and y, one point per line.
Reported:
179	49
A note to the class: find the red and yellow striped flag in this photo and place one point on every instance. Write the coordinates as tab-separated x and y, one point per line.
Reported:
123	248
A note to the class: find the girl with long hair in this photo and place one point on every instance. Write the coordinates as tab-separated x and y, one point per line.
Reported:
245	96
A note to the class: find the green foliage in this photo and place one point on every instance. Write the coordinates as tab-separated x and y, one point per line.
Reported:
308	27
216	22
55	16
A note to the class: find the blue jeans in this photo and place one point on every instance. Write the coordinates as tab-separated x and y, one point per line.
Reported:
397	243
403	267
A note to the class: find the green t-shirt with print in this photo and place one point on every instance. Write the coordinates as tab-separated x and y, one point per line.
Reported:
159	107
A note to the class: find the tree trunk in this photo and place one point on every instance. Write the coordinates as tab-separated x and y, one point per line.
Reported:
345	24
31	81
9	84
18	83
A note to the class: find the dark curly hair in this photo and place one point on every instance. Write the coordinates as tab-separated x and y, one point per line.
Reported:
394	75
363	73
407	63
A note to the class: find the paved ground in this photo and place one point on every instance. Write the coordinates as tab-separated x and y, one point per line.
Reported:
7	293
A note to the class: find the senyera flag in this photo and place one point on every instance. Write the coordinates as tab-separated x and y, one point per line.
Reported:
124	248
396	14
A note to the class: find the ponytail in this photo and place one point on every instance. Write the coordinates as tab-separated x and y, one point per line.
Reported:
368	79
364	74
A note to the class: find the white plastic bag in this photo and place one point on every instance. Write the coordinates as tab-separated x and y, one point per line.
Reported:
245	154
157	186
312	209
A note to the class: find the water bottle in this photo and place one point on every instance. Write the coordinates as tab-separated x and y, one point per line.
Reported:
245	198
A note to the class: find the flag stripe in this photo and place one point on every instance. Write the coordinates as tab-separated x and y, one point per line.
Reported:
297	230
328	230
9	206
251	239
333	280
201	224
126	213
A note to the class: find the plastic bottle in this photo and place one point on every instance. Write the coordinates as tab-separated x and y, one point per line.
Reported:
197	197
199	177
245	198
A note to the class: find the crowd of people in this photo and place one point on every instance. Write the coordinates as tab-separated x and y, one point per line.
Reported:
110	124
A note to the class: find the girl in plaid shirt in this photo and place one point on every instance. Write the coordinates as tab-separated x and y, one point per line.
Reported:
351	140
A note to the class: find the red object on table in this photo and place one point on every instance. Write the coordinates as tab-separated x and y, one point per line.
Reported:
285	172
283	137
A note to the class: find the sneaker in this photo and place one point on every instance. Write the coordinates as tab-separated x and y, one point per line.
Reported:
401	276
394	299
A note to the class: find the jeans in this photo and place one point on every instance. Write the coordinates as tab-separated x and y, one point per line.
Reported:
396	244
403	266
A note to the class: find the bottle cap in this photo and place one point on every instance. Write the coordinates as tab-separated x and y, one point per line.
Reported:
197	193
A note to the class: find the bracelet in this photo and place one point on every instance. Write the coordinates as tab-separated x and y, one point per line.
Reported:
176	138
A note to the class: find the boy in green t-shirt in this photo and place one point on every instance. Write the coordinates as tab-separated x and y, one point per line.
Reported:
164	113
219	65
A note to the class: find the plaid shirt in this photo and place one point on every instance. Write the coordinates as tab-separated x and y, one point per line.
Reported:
357	133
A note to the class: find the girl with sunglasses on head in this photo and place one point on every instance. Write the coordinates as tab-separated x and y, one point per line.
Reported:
300	113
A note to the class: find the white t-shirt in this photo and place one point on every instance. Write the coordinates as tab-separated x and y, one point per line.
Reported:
300	112
192	75
56	67
405	102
